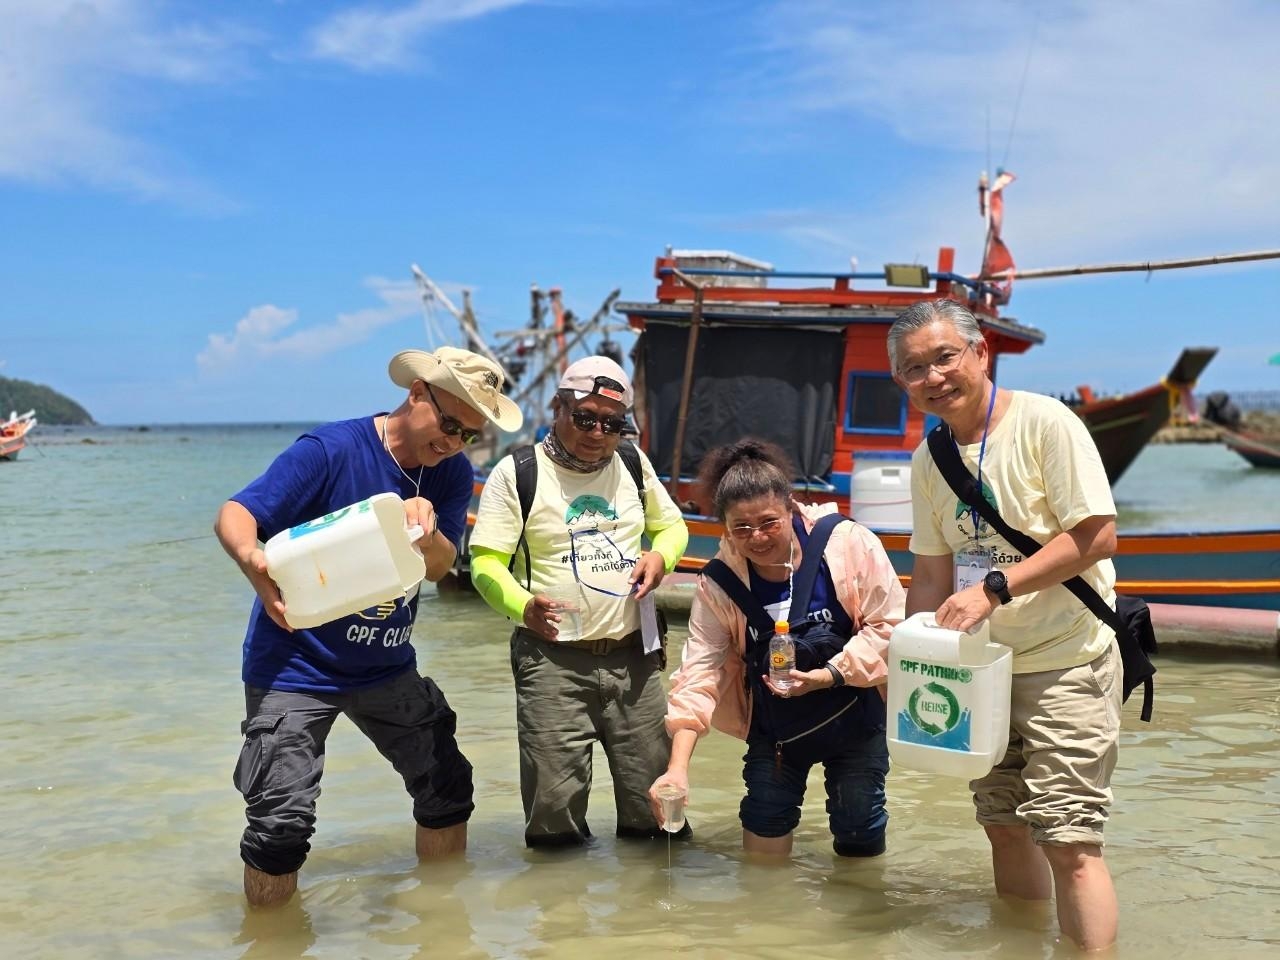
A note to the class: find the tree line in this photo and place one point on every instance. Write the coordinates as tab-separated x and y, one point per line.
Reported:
51	407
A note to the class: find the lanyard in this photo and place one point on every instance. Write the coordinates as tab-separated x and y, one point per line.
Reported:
973	511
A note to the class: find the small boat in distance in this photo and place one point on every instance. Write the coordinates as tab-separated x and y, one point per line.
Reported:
1258	450
1121	426
13	433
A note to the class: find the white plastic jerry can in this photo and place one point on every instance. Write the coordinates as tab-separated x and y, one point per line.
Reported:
346	561
948	708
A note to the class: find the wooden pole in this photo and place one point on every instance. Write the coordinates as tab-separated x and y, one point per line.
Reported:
686	385
1136	267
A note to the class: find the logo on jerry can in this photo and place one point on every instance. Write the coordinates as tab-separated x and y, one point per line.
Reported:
933	715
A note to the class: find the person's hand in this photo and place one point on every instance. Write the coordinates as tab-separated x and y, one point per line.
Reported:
802	682
674	778
647	573
966	609
540	616
254	567
421	512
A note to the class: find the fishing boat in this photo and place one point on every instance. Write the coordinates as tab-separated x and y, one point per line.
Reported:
725	352
1122	425
532	357
731	347
1258	450
13	433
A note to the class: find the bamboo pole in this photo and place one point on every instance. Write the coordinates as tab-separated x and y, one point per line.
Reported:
1135	267
686	384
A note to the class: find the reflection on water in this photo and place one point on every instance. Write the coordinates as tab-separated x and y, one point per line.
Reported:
118	667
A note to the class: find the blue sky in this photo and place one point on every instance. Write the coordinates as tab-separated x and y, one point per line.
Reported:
211	209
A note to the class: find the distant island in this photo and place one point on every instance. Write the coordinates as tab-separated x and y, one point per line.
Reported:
51	407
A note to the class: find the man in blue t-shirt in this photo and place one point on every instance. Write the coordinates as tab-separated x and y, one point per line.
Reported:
297	682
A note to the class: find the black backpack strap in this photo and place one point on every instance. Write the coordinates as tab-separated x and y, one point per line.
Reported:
631	457
741	595
807	575
526	464
943	450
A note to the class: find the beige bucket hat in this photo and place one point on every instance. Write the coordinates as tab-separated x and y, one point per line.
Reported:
474	379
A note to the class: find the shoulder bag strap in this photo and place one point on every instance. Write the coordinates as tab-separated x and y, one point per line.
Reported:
741	595
807	575
958	477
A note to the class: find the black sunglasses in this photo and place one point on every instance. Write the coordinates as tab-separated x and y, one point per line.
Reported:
452	426
586	421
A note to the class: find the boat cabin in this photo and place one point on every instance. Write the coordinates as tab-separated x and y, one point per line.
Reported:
732	347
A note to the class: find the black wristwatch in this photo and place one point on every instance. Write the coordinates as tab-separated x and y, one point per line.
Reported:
837	678
997	584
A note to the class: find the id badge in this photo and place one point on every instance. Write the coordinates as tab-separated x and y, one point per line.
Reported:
972	565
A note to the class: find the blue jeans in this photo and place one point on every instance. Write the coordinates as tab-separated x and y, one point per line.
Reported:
855	762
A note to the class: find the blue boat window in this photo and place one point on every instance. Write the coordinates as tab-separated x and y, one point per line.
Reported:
876	405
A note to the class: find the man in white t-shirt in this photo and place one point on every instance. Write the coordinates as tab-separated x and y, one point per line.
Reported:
1045	803
581	676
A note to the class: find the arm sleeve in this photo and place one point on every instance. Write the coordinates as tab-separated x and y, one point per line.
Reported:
494	582
695	687
663	521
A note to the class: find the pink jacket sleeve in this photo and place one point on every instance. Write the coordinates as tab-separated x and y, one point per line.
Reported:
696	687
871	593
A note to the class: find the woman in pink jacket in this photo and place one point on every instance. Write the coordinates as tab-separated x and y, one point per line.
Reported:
832	710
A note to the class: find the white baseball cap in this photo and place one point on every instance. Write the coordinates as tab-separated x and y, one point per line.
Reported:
598	375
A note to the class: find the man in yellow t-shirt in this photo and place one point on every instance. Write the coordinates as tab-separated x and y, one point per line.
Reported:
1045	803
582	673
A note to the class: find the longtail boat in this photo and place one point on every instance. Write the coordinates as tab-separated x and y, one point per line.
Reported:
13	434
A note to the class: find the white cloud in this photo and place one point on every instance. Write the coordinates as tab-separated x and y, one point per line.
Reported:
378	37
1145	129
264	332
71	73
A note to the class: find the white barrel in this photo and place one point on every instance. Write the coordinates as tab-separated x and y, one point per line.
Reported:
346	561
880	490
948	708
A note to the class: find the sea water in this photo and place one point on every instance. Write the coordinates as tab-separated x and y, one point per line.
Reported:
120	629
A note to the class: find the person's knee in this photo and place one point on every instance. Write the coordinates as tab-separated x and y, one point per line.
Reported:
1007	836
1071	857
767	819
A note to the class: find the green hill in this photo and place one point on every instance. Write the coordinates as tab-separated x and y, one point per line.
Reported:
50	406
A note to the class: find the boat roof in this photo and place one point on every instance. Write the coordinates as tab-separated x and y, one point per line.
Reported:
738	290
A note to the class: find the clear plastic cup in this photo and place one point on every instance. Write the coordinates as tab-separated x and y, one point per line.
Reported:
566	602
672	799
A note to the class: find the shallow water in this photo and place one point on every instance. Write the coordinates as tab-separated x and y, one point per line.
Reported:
119	659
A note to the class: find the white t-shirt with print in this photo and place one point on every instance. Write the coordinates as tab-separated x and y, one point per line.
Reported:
583	527
1044	471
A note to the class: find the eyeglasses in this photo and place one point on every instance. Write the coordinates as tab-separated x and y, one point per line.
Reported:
452	426
744	531
586	421
944	362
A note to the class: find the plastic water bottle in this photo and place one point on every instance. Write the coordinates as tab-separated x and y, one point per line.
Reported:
782	655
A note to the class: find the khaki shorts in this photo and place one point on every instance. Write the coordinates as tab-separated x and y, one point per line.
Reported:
1056	776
